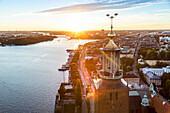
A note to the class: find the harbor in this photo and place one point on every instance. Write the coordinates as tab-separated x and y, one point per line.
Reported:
35	78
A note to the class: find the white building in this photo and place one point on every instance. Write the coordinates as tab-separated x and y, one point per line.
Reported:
156	71
166	69
125	49
164	41
151	78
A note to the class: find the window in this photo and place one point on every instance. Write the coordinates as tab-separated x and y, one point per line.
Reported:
110	96
116	96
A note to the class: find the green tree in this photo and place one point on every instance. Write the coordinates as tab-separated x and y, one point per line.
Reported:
160	64
126	62
162	54
157	49
166	85
168	55
152	55
62	91
78	93
142	76
58	109
69	108
143	52
79	109
164	77
138	66
167	88
90	64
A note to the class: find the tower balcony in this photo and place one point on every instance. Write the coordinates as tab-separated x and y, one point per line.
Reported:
108	75
111	49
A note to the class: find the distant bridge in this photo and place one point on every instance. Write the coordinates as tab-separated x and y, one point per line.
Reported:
62	36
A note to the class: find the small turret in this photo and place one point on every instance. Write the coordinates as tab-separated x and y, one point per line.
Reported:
153	93
145	101
145	104
151	88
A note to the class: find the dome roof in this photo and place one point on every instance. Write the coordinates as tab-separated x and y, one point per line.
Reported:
145	101
111	35
111	45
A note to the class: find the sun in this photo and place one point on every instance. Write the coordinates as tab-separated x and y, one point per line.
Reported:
78	23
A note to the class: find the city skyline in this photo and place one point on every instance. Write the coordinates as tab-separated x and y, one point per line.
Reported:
83	15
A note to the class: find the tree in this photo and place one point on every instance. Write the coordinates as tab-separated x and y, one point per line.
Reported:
166	85
164	77
90	64
125	62
142	76
160	64
168	55
152	55
69	108
62	91
138	66
162	54
143	52
166	88
78	109
74	70
78	93
58	109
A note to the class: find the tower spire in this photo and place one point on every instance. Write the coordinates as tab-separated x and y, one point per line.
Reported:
112	34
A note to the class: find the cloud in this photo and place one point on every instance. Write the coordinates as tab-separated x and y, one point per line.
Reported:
102	5
163	14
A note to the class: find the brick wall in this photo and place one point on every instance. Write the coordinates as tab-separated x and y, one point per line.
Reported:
112	101
157	103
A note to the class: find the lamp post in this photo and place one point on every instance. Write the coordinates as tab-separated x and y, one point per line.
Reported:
111	17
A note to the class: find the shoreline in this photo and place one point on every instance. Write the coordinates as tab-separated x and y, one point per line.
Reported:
24	41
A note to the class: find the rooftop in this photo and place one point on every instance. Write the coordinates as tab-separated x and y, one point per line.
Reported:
129	75
112	84
152	76
133	93
111	45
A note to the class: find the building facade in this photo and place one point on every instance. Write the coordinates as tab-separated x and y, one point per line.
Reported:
151	78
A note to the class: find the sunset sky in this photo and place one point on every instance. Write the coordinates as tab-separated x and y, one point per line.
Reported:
78	15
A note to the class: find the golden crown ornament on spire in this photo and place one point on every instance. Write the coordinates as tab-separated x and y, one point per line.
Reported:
111	34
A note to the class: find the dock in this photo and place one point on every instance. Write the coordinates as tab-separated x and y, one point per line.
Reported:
66	66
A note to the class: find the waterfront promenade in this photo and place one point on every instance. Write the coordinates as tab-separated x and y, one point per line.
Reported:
87	81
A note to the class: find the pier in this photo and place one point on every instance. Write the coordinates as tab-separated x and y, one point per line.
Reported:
66	66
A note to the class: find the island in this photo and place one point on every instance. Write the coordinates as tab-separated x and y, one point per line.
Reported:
24	38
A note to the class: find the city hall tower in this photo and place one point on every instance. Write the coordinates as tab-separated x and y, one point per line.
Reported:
111	96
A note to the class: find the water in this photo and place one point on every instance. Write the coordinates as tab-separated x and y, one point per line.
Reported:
29	77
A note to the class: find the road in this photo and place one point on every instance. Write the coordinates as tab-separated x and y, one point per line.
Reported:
86	79
135	58
84	104
135	62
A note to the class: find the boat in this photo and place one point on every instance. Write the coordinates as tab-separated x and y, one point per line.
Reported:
62	69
